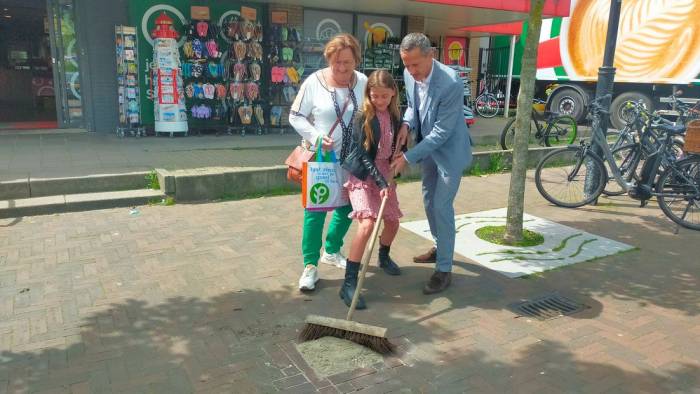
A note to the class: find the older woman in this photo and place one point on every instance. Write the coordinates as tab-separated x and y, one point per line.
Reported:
329	98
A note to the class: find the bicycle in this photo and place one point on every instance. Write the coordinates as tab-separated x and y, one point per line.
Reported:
556	129
638	140
686	112
633	112
634	123
486	104
583	172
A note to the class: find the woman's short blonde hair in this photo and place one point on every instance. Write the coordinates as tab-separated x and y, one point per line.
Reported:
340	42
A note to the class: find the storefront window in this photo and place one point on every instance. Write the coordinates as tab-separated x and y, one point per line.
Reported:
25	67
69	69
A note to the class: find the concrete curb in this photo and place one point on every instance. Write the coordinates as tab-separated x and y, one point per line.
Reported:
48	196
18	188
76	202
29	187
42	187
213	183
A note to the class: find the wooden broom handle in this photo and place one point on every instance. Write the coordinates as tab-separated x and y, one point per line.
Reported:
365	258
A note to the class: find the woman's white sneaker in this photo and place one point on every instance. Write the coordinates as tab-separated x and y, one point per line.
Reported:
308	278
336	259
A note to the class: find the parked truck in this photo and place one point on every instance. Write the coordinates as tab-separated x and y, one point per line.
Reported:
658	53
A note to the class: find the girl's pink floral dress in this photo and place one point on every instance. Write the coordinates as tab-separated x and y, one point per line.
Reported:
364	195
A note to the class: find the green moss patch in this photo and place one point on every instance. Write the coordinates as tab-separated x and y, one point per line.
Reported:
494	234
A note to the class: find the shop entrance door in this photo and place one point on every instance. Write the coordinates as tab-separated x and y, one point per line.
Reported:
66	63
26	76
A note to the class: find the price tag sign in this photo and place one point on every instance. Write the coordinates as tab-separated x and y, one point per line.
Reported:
279	17
199	13
249	13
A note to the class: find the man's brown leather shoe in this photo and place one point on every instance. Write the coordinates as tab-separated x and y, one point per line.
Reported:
438	282
426	258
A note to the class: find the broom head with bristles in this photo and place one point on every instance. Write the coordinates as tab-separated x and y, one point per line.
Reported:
371	337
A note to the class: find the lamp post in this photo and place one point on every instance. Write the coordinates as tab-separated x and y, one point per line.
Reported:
606	79
606	73
511	56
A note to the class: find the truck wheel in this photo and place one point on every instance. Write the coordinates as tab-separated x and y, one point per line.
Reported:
568	102
619	116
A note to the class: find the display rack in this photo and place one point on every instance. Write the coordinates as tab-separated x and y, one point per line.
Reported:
244	67
464	73
128	82
288	68
386	56
169	109
312	56
204	77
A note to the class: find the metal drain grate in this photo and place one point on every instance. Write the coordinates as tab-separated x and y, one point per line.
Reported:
549	306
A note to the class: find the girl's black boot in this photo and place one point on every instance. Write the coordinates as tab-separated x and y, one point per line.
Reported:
349	287
386	263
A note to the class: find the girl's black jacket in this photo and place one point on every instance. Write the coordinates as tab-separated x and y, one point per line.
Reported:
360	161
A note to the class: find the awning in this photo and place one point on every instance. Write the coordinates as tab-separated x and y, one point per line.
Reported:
441	18
508	29
551	7
560	8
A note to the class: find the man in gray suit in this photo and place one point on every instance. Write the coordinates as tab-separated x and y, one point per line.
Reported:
443	147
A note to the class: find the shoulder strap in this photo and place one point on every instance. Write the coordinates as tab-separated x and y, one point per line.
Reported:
342	112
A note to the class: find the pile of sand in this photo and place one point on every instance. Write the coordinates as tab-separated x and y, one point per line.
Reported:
329	356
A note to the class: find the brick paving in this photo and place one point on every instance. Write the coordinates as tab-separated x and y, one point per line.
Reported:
202	298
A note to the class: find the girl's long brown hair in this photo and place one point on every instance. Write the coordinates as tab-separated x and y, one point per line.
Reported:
378	79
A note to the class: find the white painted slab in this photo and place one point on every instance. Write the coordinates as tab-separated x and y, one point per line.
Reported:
562	245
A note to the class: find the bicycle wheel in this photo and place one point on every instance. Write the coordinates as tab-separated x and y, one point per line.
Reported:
561	177
561	130
486	105
627	158
508	134
678	192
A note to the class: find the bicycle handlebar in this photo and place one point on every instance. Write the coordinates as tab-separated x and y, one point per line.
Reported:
659	119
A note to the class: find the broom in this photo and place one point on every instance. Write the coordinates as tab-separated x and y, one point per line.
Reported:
372	337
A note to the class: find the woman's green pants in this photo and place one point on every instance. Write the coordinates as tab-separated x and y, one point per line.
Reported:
313	233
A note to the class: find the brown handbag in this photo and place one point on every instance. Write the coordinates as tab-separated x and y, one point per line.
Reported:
295	161
302	154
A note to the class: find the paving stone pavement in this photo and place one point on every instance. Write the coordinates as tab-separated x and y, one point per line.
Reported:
202	298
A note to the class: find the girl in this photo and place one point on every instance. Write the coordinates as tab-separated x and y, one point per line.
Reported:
373	146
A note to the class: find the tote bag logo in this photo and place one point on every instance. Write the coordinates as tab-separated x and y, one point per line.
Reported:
319	193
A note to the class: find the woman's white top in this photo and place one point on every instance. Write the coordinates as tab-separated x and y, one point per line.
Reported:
313	112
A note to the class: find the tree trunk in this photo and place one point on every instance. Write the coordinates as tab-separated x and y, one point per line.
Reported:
516	194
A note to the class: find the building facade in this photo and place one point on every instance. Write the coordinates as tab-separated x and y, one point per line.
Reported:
59	58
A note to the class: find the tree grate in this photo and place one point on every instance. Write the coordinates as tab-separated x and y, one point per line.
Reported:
546	307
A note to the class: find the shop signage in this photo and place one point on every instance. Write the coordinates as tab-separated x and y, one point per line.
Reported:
279	17
455	50
322	25
248	13
200	13
373	30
